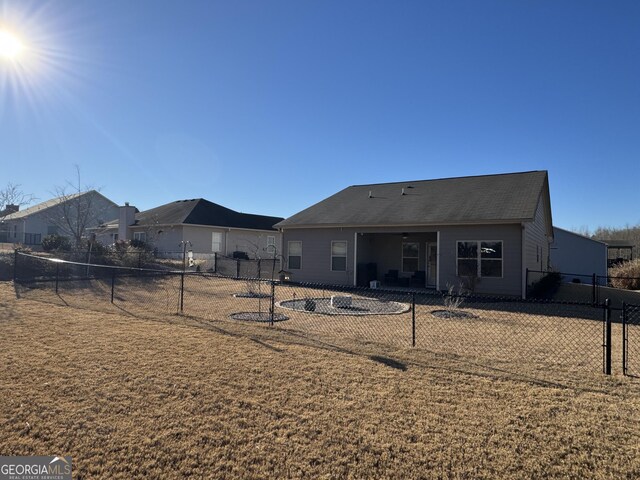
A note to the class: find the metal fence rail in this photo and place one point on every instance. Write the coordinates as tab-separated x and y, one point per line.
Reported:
528	335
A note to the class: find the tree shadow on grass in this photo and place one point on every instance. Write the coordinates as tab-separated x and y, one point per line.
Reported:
389	362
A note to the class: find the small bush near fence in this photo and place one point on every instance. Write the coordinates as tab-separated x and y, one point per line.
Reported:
547	286
626	275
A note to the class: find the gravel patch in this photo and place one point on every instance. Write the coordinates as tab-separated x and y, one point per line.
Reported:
359	306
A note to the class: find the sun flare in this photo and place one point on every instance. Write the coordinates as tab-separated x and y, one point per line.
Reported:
10	45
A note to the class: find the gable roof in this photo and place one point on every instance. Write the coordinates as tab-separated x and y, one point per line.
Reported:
575	234
502	198
203	212
51	203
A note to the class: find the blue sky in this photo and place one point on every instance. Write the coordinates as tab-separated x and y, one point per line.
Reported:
270	106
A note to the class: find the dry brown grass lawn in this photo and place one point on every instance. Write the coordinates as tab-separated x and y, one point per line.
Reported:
168	397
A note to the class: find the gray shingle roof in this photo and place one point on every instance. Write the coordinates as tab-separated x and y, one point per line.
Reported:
203	212
48	204
510	197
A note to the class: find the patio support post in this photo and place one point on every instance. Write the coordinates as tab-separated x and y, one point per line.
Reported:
355	259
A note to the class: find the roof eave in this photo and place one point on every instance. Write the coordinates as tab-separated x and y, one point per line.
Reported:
407	225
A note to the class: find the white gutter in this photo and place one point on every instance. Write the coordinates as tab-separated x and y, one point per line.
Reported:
409	225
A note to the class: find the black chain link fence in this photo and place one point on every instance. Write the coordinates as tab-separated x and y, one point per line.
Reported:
631	339
528	335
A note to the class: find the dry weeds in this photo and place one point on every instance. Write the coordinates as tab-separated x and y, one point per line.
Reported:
168	397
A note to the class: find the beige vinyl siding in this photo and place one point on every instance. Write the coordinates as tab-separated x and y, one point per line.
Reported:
536	242
252	242
316	255
386	251
511	236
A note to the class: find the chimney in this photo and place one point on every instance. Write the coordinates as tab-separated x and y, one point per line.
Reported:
11	208
126	218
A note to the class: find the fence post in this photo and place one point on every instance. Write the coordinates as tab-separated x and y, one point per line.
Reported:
413	319
215	262
237	268
181	292
57	275
113	284
15	265
273	301
607	337
624	338
259	269
594	297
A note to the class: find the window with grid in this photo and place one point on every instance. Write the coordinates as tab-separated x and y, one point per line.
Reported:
294	251
216	242
140	236
479	258
410	256
339	256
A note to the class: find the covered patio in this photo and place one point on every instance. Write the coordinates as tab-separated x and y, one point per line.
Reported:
399	259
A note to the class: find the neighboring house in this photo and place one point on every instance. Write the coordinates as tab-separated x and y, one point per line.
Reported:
482	231
210	228
578	257
68	216
619	251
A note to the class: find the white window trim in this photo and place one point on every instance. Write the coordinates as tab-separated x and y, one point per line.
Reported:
479	257
219	242
137	235
271	240
403	257
345	256
289	254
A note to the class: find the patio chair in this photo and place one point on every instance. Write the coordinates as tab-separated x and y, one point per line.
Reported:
391	277
419	278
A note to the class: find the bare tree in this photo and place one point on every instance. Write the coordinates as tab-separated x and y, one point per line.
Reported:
77	209
12	195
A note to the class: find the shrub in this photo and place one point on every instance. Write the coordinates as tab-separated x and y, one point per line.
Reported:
547	286
56	243
626	275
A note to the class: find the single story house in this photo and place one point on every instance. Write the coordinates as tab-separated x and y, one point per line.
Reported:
483	232
69	215
578	257
209	227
